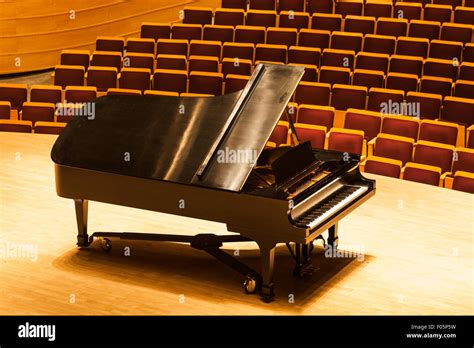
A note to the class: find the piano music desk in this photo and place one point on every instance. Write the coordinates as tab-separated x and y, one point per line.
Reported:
416	243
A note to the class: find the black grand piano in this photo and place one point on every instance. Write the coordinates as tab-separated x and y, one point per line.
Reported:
206	158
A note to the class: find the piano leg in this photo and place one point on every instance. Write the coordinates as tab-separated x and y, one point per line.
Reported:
304	266
82	206
267	255
332	237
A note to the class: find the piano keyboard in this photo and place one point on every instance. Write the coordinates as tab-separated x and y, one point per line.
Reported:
330	205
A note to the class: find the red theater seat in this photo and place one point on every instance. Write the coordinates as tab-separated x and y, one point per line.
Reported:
139	60
316	115
463	160
170	80
107	43
5	110
368	78
464	181
186	32
16	126
76	94
345	97
136	45
439	132
429	104
49	127
314	38
135	78
46	94
421	173
282	36
316	135
34	112
346	140
261	18
404	126
221	33
102	77
66	75
392	146
377	8
155	31
205	83
367	121
197	15
107	59
75	57
434	154
203	63
458	110
236	67
291	5
234	83
280	133
379	44
313	93
249	34
232	17
383	166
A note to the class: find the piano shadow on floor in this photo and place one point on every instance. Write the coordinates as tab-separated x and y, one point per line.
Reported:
150	263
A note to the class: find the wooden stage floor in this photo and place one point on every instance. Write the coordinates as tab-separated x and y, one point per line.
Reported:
413	245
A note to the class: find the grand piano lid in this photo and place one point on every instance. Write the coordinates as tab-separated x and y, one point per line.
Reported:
204	141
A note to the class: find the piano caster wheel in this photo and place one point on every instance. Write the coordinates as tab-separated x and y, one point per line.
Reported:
106	245
250	285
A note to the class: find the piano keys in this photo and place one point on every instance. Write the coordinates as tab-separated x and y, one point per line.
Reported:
158	152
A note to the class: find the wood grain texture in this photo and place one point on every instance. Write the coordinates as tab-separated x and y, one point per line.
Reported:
417	245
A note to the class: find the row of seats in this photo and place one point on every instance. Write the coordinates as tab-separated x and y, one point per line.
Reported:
345	46
446	159
278	35
373	123
424	161
408	11
421	173
368	7
344	96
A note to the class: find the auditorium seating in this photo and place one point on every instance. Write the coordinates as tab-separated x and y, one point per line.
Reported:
102	78
392	147
398	75
316	115
440	132
75	57
67	75
42	127
34	112
463	181
422	173
46	94
346	140
170	80
312	133
78	94
463	160
16	126
205	83
366	121
5	110
383	166
234	83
